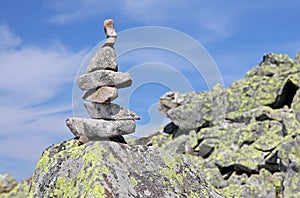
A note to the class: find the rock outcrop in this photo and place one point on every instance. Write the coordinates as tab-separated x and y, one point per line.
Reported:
110	169
245	138
100	83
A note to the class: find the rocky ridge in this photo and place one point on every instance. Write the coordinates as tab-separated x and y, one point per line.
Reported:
245	138
240	141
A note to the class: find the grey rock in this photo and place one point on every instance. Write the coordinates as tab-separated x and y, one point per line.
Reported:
101	95
110	41
205	150
7	183
105	58
95	129
296	104
103	78
83	139
109	111
178	145
193	110
169	100
109	169
19	190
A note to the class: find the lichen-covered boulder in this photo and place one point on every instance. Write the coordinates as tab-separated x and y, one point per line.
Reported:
193	110
109	169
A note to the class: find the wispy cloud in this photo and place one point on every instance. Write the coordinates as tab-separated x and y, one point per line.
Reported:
8	39
35	96
74	11
212	20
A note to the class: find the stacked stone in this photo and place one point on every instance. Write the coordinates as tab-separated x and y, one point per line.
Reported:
101	83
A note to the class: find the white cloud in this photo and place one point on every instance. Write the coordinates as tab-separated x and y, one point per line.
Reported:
8	39
35	96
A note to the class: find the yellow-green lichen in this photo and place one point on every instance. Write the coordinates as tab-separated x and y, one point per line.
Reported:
133	181
193	195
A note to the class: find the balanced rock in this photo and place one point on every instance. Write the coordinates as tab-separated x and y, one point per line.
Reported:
110	32
109	28
101	95
104	78
100	83
97	129
109	111
105	58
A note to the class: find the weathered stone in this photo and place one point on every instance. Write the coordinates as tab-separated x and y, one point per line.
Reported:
263	184
109	111
7	183
248	159
213	176
204	150
238	179
257	114
109	28
203	108
291	184
101	95
95	129
178	145
104	59
83	139
270	138
109	169
110	41
169	101
296	104
21	190
103	78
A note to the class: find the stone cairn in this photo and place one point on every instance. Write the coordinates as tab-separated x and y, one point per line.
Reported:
101	83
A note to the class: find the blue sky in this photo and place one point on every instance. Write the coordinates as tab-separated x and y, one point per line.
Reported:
43	43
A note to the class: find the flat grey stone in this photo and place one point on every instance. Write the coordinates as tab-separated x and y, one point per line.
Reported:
105	58
109	111
101	78
110	41
101	95
95	129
